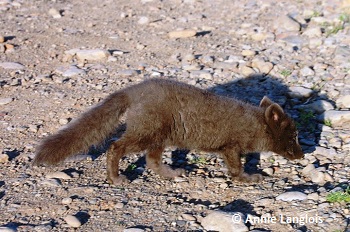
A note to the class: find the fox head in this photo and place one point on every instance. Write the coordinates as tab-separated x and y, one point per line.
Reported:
283	130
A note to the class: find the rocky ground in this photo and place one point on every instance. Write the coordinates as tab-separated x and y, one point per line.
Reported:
59	57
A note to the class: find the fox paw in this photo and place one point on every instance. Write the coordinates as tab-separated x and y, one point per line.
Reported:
244	177
167	172
117	180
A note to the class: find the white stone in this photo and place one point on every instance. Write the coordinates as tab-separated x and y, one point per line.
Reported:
343	101
72	221
317	177
292	196
133	230
66	201
58	175
306	71
51	183
143	20
55	13
268	171
92	55
224	222
336	117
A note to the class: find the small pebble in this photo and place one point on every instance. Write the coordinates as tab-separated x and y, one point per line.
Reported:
55	13
4	158
66	201
182	34
292	196
58	175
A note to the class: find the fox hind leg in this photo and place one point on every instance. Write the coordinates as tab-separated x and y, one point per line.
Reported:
154	162
116	151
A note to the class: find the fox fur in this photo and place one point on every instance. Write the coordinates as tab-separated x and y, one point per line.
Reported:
161	113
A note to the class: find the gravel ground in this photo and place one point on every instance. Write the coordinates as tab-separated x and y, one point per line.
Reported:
59	57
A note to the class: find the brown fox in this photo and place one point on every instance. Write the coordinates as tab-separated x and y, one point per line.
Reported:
161	113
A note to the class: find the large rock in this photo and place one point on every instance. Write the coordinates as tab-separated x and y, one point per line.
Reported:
299	92
337	118
224	222
12	65
344	101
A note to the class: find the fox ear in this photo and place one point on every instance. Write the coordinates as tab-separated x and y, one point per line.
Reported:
265	102
274	114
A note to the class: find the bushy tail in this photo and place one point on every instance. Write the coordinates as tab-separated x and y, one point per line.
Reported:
90	128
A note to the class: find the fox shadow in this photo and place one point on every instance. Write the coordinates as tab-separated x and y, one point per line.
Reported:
253	88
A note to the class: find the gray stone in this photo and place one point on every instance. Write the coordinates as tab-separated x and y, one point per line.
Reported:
224	222
313	196
203	74
292	196
313	32
12	65
5	101
317	176
306	71
299	92
73	71
336	117
286	23
294	40
341	54
309	168
326	152
51	183
128	72
320	106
